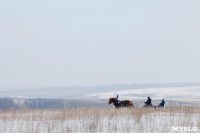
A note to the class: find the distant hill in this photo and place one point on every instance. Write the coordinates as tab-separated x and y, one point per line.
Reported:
41	103
103	92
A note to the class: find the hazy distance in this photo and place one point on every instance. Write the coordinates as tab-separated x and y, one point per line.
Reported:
90	43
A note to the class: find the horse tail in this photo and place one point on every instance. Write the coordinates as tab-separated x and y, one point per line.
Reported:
131	104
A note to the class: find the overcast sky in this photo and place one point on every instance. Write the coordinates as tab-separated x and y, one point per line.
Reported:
87	42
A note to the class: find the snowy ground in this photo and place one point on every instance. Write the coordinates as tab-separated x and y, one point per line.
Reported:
101	120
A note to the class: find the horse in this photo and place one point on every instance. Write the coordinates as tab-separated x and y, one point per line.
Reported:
118	103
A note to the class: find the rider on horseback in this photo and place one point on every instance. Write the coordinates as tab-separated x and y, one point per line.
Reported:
118	101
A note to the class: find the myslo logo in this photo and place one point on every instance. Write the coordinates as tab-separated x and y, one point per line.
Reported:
185	129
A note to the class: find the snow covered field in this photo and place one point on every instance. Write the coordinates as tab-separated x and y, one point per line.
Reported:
102	120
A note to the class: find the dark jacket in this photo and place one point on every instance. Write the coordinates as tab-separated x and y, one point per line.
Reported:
162	103
148	102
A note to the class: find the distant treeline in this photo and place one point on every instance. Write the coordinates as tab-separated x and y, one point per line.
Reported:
7	103
10	103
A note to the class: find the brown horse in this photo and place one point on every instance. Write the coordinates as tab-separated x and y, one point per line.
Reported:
118	103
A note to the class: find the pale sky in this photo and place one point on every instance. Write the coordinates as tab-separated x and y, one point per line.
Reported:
46	43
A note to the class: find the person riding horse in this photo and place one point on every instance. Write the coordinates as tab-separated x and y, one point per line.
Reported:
118	103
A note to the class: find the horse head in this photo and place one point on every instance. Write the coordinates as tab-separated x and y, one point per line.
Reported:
112	100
